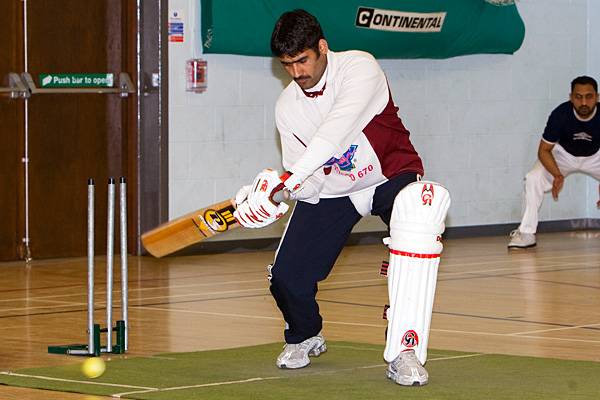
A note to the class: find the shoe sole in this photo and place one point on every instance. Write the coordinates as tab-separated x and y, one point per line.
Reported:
522	247
316	352
285	366
404	383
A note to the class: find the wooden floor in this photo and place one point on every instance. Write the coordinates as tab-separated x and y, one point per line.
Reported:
539	302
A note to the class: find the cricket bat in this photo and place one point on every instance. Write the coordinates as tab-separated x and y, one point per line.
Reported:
194	227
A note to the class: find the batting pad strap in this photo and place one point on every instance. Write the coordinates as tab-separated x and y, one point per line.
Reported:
417	243
383	271
413	255
419	227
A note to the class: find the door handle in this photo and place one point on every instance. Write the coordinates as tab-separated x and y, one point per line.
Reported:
16	88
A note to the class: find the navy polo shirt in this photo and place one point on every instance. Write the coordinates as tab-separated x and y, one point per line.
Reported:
578	138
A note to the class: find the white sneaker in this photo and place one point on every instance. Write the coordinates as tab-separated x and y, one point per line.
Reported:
407	370
296	355
520	240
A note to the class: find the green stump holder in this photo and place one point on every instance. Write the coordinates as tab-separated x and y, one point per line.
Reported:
83	349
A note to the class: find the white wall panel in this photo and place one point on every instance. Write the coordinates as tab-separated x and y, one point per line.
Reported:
476	120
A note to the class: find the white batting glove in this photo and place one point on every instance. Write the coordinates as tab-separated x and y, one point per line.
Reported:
246	217
258	209
260	196
263	185
250	218
242	194
291	183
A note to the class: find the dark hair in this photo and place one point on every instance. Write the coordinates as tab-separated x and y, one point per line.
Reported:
294	32
584	80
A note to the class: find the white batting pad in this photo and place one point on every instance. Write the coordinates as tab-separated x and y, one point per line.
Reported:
415	247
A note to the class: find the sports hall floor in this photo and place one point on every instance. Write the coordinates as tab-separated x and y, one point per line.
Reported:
542	302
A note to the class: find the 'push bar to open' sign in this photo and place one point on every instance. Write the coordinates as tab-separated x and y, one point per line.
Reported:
76	80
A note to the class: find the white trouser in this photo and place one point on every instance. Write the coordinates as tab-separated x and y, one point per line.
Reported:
539	181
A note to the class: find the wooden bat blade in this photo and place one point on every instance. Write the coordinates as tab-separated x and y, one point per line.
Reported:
190	229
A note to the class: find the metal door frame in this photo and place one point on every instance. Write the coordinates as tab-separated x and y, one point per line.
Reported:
152	117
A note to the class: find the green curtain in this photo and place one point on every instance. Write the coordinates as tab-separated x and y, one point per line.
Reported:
385	28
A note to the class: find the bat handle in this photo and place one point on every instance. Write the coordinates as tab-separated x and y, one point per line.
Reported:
282	195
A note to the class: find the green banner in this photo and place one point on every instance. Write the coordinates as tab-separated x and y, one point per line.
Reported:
76	80
385	28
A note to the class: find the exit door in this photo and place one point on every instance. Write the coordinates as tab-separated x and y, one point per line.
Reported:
52	141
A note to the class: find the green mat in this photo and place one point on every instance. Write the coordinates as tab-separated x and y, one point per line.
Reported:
346	371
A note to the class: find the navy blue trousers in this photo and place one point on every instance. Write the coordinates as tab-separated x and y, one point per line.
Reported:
313	240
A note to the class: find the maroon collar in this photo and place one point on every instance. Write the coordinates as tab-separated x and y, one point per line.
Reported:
314	94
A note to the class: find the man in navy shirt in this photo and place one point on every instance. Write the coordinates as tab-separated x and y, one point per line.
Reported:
569	144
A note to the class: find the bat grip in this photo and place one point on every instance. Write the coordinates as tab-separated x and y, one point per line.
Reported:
282	195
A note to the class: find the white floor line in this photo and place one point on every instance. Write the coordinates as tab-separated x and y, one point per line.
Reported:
520	269
508	335
48	378
44	300
203	294
457	357
428	360
372	349
170	287
41	307
216	314
562	328
65	302
209	313
260	289
379	326
119	395
502	258
259	379
557	339
158	357
341	346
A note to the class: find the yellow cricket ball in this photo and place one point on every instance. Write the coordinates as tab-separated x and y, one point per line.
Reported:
93	367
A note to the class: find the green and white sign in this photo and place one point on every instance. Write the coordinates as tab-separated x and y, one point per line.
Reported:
396	29
76	80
